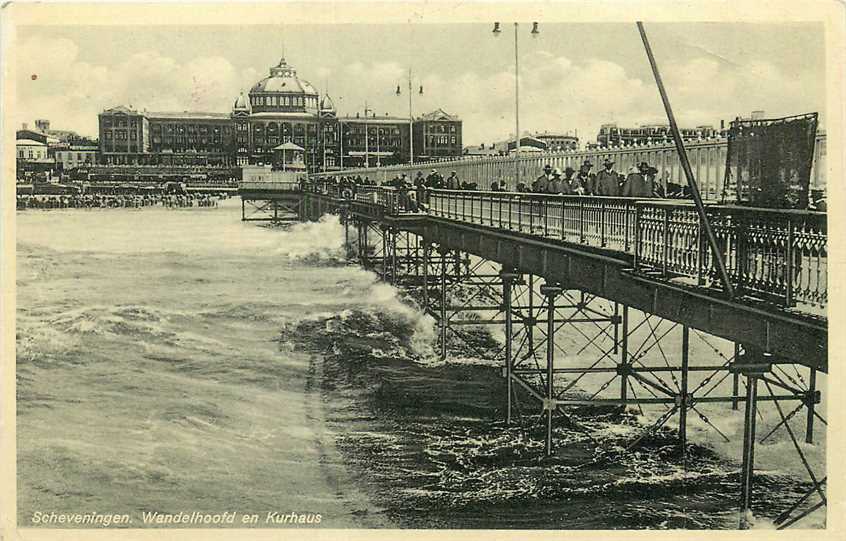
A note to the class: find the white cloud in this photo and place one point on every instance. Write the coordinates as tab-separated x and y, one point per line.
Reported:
557	93
71	92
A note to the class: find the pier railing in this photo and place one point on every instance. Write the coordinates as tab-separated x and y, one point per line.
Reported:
270	186
779	255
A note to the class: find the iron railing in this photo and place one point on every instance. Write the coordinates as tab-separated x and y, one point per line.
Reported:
777	255
271	186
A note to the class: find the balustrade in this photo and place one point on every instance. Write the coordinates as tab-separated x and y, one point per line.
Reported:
775	255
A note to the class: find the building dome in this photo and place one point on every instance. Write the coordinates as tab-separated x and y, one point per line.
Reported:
283	93
283	78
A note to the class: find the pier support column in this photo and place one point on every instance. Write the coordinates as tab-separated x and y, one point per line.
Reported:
754	363
735	383
443	308
683	388
810	401
385	251
508	277
393	242
549	405
365	248
427	250
624	366
530	321
345	216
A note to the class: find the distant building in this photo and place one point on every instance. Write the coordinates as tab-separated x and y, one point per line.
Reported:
558	141
76	156
279	109
528	143
612	135
437	135
30	150
482	150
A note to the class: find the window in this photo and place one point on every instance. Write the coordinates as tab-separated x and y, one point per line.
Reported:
79	156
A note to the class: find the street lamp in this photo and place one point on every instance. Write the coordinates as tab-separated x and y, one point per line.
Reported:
410	118
534	33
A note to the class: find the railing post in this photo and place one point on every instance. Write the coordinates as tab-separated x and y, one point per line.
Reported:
602	239
581	221
545	210
701	248
666	242
788	267
531	215
637	240
626	240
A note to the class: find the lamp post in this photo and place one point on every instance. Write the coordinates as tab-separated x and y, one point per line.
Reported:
410	118
496	32
366	139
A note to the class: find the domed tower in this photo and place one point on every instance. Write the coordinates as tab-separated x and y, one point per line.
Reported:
283	108
327	108
329	148
241	119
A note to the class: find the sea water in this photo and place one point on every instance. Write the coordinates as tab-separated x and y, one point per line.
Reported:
180	361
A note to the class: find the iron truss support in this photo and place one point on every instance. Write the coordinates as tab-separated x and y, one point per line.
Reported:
271	210
563	347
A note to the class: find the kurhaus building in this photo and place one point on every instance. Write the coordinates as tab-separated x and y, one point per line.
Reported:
280	109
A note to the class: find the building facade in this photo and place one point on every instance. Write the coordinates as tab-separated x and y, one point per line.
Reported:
30	150
76	156
558	141
437	135
612	135
280	109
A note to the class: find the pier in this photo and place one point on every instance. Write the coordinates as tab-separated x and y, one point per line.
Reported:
633	277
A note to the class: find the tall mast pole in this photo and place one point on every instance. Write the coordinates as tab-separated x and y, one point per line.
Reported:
688	172
366	139
516	110
410	123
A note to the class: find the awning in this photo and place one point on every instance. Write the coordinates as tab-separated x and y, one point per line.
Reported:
288	146
383	153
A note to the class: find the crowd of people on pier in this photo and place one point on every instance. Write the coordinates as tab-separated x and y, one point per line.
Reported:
25	201
638	181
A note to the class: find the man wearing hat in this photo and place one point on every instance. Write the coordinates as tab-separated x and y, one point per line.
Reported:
586	179
420	188
570	186
434	181
452	182
541	184
636	184
555	186
608	180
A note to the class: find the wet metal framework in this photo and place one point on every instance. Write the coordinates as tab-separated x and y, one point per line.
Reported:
614	302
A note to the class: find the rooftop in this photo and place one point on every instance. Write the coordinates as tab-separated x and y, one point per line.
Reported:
189	115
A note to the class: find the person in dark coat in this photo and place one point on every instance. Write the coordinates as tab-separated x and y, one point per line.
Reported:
434	181
569	185
541	184
608	181
635	184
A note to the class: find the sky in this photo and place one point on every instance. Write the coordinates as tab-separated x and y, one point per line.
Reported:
573	77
